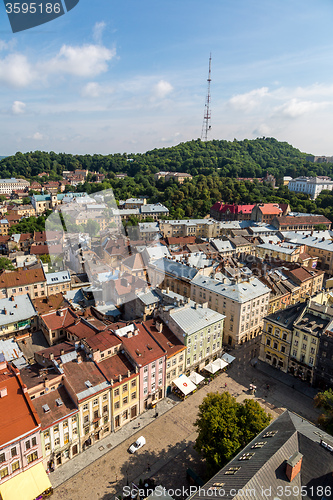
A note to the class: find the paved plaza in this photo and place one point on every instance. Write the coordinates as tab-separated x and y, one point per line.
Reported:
101	471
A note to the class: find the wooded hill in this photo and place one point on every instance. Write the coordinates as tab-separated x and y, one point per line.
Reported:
215	166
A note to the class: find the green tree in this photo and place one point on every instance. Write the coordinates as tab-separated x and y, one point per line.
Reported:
26	200
225	427
324	401
6	264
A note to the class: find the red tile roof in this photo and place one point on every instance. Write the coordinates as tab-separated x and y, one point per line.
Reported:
166	339
56	413
48	304
181	240
142	348
18	416
81	330
56	350
233	209
63	318
46	249
79	373
288	220
117	365
103	341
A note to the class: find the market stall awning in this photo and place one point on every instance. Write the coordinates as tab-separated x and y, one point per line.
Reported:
211	368
26	486
228	358
184	384
196	378
220	363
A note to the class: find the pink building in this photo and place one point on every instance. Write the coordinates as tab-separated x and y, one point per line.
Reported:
147	355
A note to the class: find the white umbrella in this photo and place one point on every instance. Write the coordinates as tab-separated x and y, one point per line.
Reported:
211	368
196	378
220	363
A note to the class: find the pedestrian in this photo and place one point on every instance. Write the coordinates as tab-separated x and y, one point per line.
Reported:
148	467
267	387
225	385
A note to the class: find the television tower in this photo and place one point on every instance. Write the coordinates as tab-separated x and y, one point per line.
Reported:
207	115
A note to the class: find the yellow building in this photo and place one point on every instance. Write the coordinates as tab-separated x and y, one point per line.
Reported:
277	335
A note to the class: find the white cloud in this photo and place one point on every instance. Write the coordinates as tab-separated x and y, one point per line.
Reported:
16	71
162	89
85	60
94	89
18	107
38	136
98	32
295	108
248	101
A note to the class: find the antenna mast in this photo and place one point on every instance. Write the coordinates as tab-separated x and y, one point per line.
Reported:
207	115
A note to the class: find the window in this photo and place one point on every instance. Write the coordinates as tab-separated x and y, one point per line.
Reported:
125	388
2	458
57	441
188	361
32	457
86	419
153	365
133	395
117	405
56	428
33	441
116	392
133	383
105	397
95	402
14	451
86	430
85	407
4	472
15	466
27	445
145	390
168	365
296	343
66	438
125	400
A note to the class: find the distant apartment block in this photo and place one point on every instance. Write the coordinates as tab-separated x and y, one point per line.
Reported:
9	185
310	185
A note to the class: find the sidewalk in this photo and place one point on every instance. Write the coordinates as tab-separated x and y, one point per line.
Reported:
97	450
287	379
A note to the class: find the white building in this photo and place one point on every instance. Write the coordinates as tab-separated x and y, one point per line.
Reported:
244	304
9	185
310	185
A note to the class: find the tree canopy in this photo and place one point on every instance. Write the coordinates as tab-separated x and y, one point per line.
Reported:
324	400
6	264
225	427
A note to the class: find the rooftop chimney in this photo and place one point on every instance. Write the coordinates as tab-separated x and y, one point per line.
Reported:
294	464
3	392
62	352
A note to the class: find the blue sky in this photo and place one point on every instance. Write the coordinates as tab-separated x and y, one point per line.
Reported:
131	76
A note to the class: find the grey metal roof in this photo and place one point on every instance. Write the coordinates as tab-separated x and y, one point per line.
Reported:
19	309
175	268
191	319
240	292
265	472
149	298
311	241
10	349
93	390
156	207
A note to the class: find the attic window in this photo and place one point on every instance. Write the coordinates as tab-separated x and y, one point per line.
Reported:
259	444
46	408
59	402
88	383
246	456
149	347
231	471
270	434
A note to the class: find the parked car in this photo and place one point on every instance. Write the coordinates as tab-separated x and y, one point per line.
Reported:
137	445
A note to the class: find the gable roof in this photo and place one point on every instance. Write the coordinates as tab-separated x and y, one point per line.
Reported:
266	469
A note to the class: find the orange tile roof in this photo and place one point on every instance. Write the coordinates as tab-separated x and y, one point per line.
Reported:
270	209
47	304
78	373
21	277
81	330
56	413
18	416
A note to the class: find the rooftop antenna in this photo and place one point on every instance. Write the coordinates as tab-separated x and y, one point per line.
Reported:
207	115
